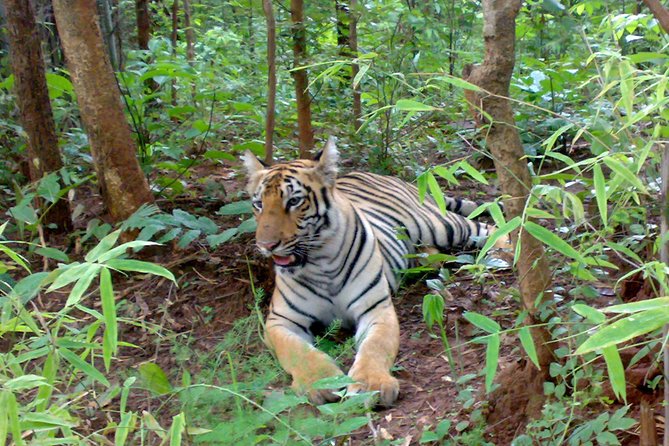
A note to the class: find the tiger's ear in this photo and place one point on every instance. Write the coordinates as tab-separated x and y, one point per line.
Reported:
254	167
327	161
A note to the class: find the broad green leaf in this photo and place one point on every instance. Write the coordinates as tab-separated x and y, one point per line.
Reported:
249	225
464	165
24	213
421	183
49	372
625	173
12	410
121	249
359	75
177	429
436	192
459	83
550	239
105	245
502	231
41	419
592	314
15	257
634	307
217	239
550	141
155	378
491	360
4	417
236	208
52	253
349	425
412	106
153	425
618	421
83	366
58	85
68	274
483	322
528	345
110	346
49	187
82	285
24	382
28	287
600	193
124	428
140	266
616	371
625	329
446	174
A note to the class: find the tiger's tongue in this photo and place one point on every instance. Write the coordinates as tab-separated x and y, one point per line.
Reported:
283	260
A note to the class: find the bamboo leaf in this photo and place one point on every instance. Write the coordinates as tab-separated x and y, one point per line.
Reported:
624	329
81	365
491	360
483	322
616	371
412	106
139	266
110	344
592	314
625	173
643	305
600	193
472	172
500	232
528	345
105	245
552	240
436	192
177	429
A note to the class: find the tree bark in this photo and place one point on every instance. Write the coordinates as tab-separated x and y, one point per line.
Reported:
305	131
355	68
143	24
32	97
343	27
175	29
271	80
660	12
122	183
503	141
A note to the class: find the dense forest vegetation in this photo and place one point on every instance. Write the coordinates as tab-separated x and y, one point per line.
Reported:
132	297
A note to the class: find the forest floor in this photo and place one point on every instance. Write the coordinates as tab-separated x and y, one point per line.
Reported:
215	292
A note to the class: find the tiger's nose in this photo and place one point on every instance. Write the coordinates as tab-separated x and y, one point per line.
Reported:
262	244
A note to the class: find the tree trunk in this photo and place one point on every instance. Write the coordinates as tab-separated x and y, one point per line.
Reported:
271	80
503	141
343	27
305	132
190	40
48	32
123	185
175	29
355	68
660	12
105	8
32	97
143	24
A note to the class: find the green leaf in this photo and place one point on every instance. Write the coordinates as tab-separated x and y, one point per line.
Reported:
618	421
105	245
412	106
625	173
483	322
421	183
140	266
634	307
436	193
446	174
177	429
52	253
459	83
216	239
28	287
12	410
625	329
592	314
349	425
155	378
429	437
124	428
81	365
58	85
24	382
4	417
616	371
550	239
528	345
236	208
502	231
249	225
49	187
41	419
600	193
14	256
491	360
110	346
550	141
24	213
121	249
82	285
464	165
607	438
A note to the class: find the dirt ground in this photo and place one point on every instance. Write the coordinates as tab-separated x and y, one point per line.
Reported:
219	285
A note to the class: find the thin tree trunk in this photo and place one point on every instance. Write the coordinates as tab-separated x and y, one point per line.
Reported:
305	132
143	24
122	183
343	27
271	80
355	68
32	97
190	40
503	141
107	27
249	24
660	12
175	29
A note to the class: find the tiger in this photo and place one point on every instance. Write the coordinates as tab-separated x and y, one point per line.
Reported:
336	253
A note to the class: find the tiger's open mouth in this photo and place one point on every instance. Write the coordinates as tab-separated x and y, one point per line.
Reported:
284	260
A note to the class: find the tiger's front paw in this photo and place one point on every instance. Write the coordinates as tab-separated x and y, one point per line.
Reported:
376	380
303	383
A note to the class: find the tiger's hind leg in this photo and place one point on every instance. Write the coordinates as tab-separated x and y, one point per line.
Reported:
378	336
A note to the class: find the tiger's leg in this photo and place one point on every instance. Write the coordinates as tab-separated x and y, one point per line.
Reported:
287	333
378	337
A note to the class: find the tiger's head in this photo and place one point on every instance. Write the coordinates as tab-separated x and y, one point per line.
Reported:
292	204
